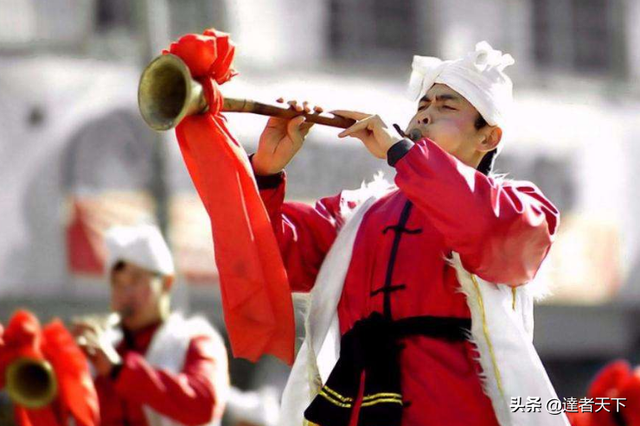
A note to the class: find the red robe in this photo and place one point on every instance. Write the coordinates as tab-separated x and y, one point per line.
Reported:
189	397
502	231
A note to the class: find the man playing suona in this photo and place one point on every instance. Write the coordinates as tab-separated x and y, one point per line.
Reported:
404	353
155	368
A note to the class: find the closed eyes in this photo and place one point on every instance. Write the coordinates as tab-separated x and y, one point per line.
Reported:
447	107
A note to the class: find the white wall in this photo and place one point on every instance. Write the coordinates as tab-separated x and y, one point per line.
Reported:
67	94
272	33
632	29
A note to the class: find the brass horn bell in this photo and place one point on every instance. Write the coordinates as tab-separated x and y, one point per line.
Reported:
31	383
167	93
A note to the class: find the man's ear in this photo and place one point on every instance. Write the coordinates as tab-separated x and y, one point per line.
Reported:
167	282
493	136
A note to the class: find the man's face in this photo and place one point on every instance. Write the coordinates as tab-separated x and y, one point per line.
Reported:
136	295
448	119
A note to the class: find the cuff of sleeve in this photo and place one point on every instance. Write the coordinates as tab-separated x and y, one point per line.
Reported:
269	181
398	150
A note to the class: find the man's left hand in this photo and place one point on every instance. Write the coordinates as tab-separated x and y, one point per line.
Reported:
371	130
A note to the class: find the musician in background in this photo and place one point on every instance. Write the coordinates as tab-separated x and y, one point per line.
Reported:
155	368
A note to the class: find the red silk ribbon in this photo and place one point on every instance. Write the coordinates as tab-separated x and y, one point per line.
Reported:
255	291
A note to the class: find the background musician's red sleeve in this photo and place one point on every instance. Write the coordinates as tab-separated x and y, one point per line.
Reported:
502	230
195	396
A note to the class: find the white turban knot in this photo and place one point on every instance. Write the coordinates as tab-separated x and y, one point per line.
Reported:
479	77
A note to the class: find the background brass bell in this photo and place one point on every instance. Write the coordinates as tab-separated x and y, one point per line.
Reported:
31	383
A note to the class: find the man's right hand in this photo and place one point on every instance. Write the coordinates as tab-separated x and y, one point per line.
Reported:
98	349
281	140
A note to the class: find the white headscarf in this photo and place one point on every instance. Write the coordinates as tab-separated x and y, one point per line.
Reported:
141	245
479	77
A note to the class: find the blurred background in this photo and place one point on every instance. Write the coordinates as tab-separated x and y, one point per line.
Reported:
76	158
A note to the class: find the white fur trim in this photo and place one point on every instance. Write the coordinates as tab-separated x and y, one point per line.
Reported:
503	338
378	187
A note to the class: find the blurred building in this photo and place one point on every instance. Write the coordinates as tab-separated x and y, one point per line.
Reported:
76	157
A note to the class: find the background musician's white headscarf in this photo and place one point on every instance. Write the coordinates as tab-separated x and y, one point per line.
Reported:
479	77
142	245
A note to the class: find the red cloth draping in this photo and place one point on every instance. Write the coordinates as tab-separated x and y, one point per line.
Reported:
255	292
615	380
76	396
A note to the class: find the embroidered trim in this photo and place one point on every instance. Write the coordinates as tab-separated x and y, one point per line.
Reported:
345	402
333	401
337	395
485	331
381	401
380	395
